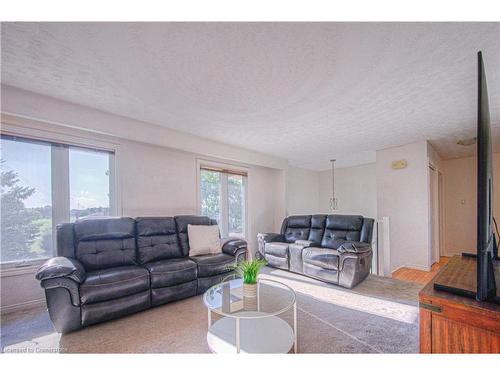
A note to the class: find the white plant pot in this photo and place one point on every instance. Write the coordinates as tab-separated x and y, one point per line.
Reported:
249	297
250	290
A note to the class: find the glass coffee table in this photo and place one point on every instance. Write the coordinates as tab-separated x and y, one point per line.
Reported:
251	324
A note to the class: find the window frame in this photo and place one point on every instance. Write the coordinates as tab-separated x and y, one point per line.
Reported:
224	206
14	126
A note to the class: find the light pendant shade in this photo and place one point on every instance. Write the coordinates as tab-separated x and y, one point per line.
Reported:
334	202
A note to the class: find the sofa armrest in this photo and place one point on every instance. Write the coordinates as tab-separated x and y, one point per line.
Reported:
63	282
263	238
61	267
240	255
355	247
231	246
63	303
271	237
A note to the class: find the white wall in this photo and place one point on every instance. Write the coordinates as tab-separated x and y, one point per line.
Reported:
153	179
403	196
355	188
266	202
460	179
309	192
160	181
303	187
156	181
40	107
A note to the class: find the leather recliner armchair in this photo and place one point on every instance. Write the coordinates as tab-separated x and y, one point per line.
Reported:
110	267
332	248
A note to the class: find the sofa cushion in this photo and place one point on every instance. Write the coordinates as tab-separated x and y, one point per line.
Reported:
182	222
105	242
278	262
157	239
297	228
321	257
317	228
333	239
210	265
107	310
167	294
349	223
279	249
111	283
169	272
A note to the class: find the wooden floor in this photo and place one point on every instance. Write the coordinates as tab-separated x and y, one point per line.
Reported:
418	276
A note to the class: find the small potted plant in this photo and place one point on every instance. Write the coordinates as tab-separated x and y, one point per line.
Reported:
249	271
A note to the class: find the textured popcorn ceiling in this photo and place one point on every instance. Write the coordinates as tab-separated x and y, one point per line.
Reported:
307	92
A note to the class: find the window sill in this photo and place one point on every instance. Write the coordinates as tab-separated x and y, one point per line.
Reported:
15	269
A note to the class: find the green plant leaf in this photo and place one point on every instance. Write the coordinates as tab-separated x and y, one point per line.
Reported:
249	270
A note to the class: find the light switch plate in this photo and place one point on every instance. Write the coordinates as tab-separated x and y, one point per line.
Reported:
399	164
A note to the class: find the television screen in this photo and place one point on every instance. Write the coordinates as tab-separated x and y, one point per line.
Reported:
486	244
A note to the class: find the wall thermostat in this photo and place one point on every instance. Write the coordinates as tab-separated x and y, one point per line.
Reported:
399	164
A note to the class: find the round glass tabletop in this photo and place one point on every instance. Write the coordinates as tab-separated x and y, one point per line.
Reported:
271	298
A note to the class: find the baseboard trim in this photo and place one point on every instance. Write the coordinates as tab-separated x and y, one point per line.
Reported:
22	306
414	267
421	268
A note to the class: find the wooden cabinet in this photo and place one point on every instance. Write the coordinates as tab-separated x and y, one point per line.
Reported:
453	324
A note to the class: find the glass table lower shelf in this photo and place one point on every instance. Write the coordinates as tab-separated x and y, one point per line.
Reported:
251	324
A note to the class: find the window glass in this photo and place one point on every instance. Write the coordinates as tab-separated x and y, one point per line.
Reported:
223	199
211	194
26	200
236	205
89	177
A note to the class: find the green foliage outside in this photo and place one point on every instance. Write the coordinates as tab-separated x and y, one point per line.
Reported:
25	233
235	203
210	204
42	246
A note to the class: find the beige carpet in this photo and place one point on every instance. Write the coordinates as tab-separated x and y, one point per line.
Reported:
380	315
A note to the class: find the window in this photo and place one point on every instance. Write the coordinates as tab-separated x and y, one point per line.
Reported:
223	198
26	201
44	184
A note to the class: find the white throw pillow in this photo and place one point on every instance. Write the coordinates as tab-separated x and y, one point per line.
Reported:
203	240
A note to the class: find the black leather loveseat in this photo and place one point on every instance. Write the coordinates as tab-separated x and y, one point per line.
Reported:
333	248
110	267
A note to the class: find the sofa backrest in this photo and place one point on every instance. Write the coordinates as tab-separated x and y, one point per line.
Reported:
111	242
340	229
328	230
182	223
65	240
367	230
105	242
157	239
317	228
296	228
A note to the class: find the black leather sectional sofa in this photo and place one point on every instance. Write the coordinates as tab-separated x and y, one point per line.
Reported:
111	267
332	248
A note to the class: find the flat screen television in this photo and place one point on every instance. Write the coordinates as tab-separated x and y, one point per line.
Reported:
487	249
460	280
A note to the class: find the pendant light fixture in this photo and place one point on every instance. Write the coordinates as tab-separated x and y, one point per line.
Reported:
334	202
